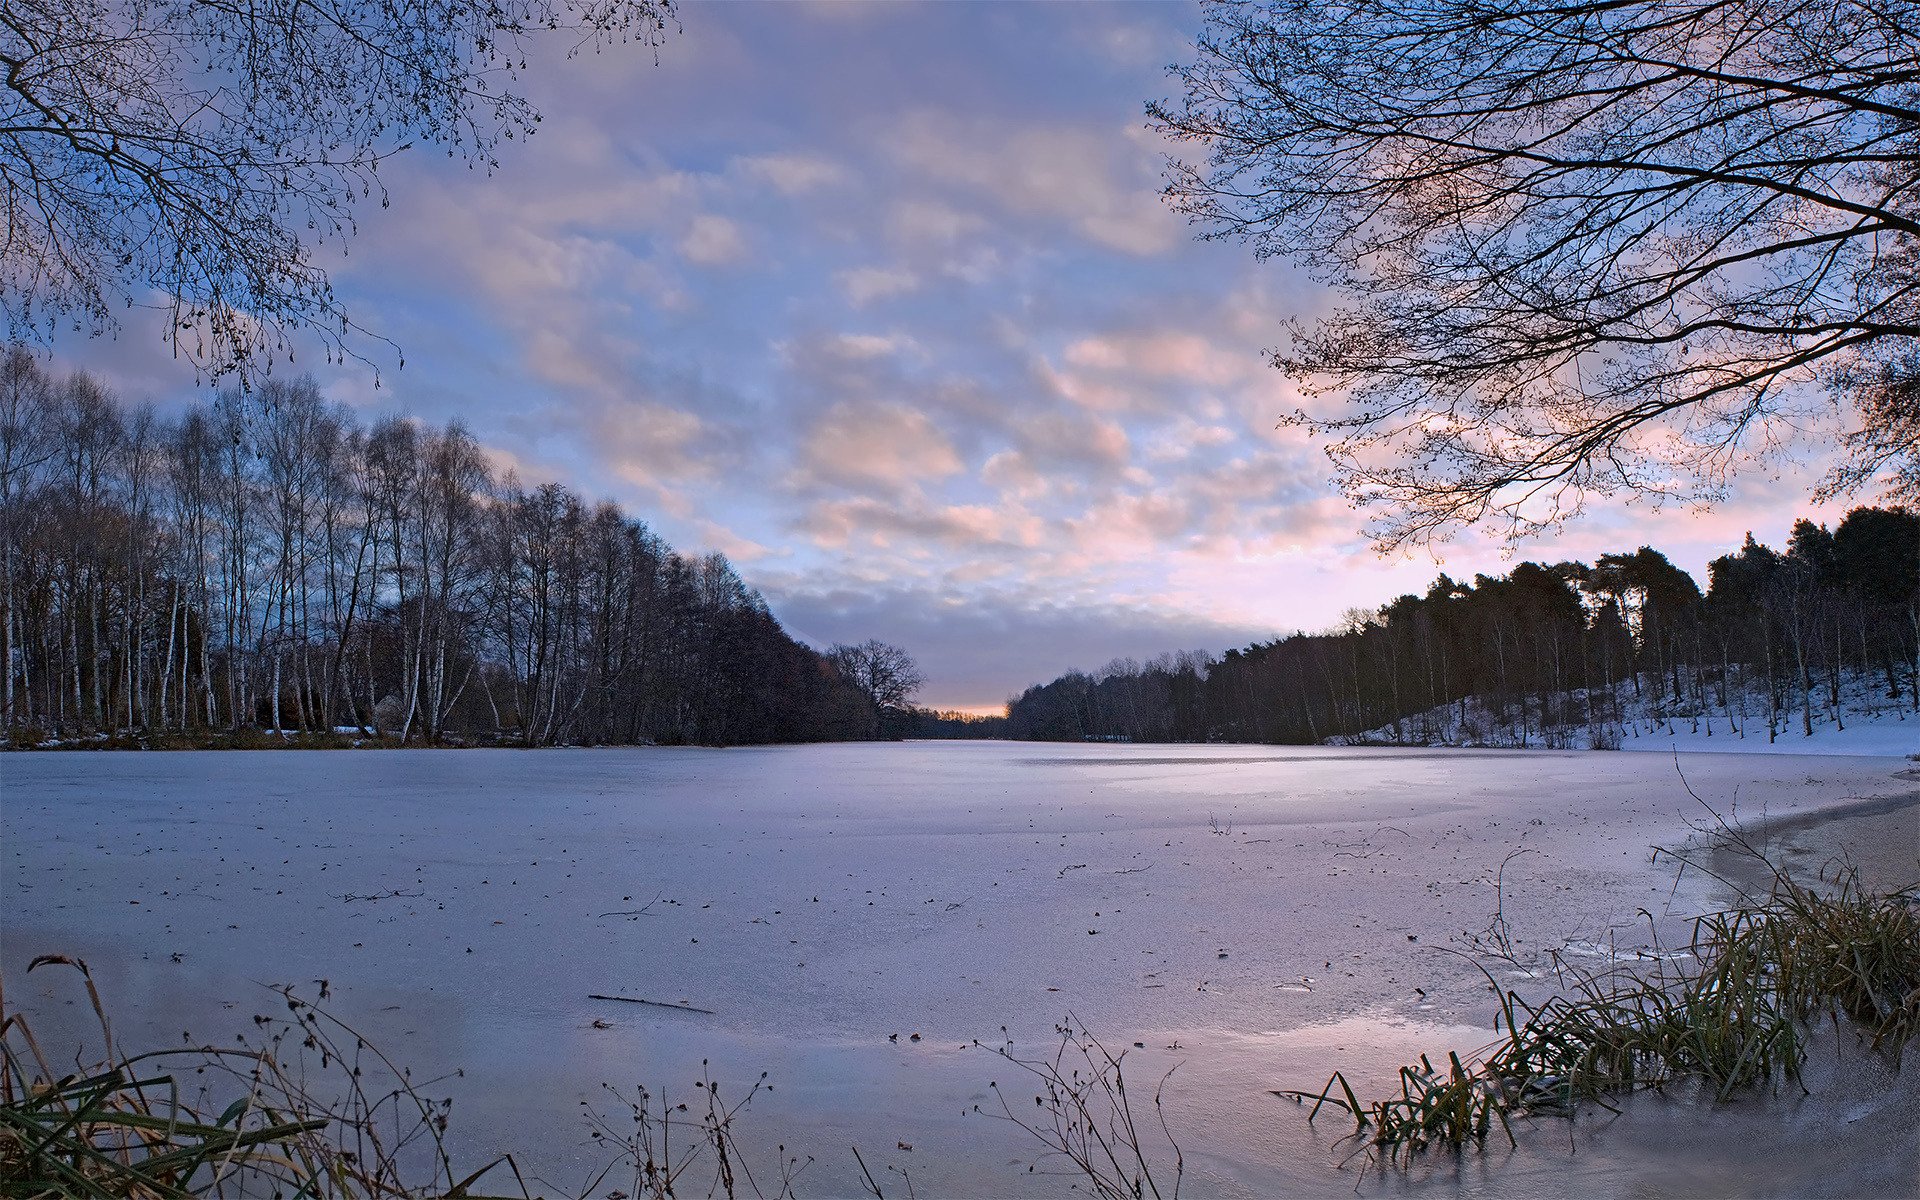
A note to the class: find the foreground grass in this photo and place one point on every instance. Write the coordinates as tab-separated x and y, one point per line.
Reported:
1730	1011
310	1110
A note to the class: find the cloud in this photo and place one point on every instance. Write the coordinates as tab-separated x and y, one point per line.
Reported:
656	446
886	447
1184	437
1132	45
863	285
875	524
1133	521
1165	354
1065	437
920	222
740	549
713	241
792	174
1015	476
1096	182
859	347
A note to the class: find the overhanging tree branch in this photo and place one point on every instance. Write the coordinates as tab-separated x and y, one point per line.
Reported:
191	154
1586	248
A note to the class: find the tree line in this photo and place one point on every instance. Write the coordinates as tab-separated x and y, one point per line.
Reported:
267	561
1556	655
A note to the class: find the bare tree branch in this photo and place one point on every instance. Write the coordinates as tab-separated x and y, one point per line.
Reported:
190	155
1584	248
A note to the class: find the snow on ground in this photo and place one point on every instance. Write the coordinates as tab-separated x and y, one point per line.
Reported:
1866	721
1893	733
1274	913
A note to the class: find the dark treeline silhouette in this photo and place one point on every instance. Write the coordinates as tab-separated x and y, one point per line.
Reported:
265	561
1560	655
946	724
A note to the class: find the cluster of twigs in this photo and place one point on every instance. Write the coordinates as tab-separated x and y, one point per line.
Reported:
1729	1011
1083	1115
663	1148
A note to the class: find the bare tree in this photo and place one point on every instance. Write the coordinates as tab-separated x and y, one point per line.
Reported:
190	154
27	442
267	562
885	674
1600	246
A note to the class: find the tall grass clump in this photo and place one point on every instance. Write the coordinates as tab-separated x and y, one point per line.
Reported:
1729	1011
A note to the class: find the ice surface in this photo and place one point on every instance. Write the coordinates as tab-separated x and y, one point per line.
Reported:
1254	905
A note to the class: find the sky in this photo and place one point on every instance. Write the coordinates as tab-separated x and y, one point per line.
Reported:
882	302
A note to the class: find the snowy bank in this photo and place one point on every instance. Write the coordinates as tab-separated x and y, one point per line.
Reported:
1855	717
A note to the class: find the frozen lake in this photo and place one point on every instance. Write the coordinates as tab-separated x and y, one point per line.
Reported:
1276	912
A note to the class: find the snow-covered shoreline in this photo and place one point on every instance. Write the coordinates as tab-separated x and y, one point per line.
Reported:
1890	735
1855	718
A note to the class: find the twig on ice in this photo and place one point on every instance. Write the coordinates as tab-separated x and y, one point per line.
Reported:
651	1003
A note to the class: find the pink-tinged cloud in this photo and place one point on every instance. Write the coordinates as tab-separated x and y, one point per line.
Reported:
792	174
921	223
858	445
864	285
1073	439
742	550
1165	354
713	241
919	527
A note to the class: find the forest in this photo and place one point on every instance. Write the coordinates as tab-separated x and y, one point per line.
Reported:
1550	655
265	561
